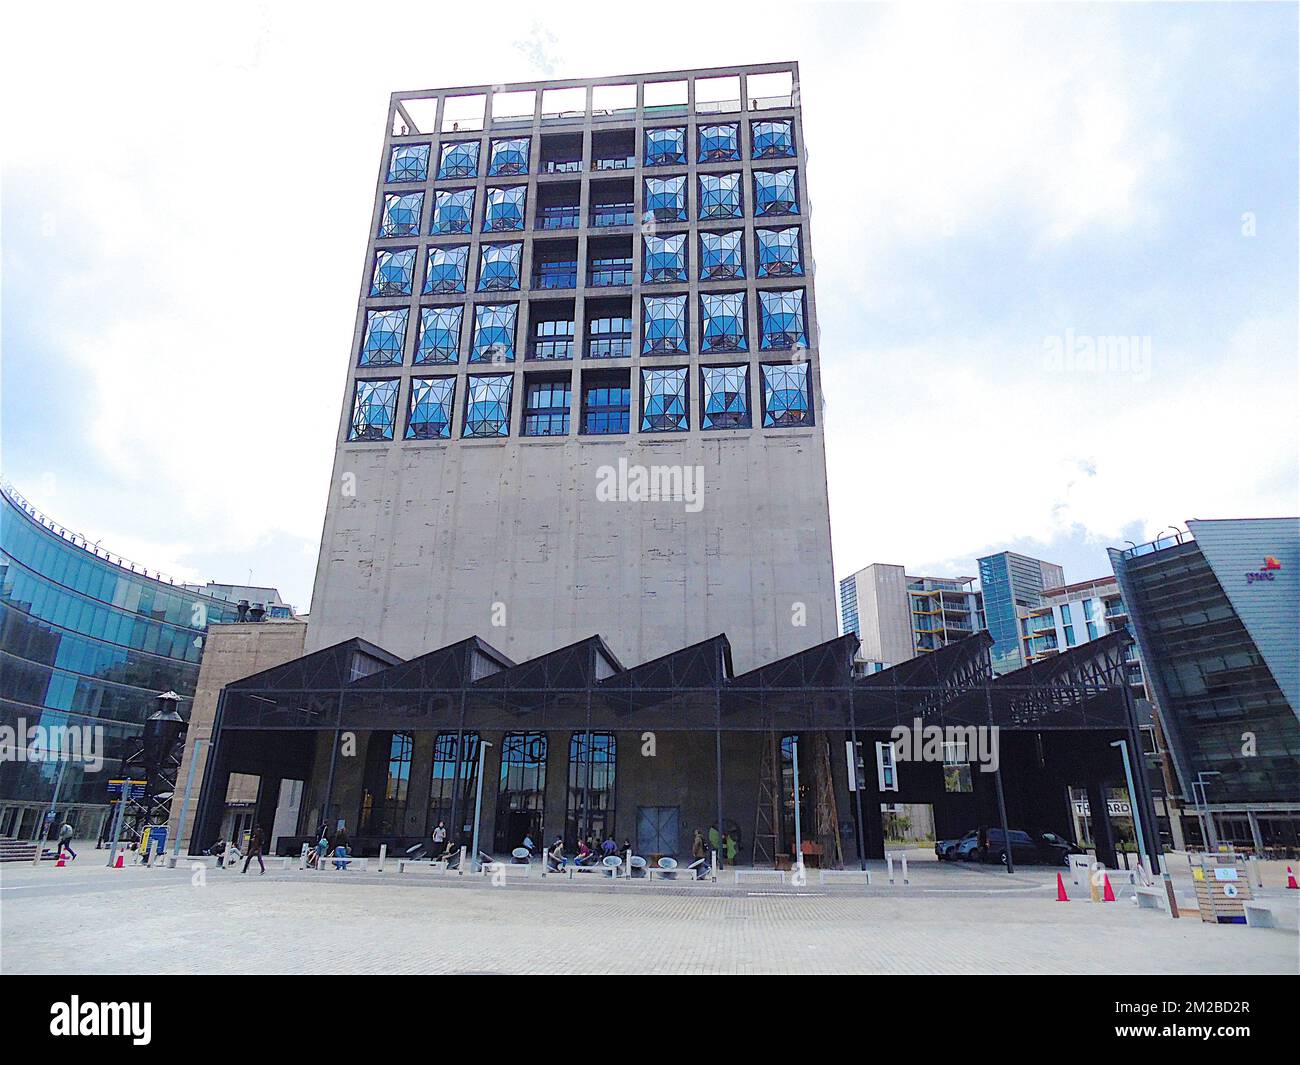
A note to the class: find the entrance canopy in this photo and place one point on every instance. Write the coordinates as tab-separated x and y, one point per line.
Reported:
469	684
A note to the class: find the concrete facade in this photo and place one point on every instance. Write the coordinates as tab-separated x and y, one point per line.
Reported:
230	652
427	541
898	616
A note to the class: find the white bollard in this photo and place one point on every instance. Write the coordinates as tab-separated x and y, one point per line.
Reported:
460	869
383	853
904	858
889	861
302	858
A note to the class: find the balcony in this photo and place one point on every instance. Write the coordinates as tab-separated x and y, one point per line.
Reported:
621	162
604	215
556	275
562	217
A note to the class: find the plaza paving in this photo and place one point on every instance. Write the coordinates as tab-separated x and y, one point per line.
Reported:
86	918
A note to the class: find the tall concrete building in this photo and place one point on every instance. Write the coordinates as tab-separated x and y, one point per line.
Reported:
582	388
897	616
1012	582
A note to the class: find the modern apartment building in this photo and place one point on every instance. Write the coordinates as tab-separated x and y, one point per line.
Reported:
1074	614
1214	612
897	616
1010	582
582	389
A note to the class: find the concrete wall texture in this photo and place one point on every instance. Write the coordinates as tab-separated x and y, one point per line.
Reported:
230	653
429	541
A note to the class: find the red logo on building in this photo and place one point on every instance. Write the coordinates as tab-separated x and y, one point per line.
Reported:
1271	563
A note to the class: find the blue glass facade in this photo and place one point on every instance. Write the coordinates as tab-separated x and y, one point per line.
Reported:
84	642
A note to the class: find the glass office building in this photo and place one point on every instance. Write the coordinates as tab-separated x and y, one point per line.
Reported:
1010	581
1214	612
87	640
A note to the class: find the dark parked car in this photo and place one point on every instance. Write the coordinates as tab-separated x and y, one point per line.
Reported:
990	845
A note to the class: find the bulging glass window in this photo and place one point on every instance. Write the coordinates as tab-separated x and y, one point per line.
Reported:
663	259
665	199
374	410
503	210
722	256
494	333
498	267
775	193
408	162
384	337
781	320
720	197
432	402
446	268
773	139
508	156
487	405
722	322
665	146
439	334
724	397
719	143
663	400
664	325
785	395
453	211
458	160
401	214
393	272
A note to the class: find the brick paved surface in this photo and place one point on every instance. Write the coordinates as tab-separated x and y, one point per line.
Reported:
85	918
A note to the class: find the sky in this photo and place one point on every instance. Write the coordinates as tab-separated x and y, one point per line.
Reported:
1055	249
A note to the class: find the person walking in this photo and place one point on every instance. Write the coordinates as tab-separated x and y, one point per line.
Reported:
439	837
255	851
698	850
65	840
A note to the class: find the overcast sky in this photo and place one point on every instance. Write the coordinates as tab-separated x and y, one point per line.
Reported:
186	199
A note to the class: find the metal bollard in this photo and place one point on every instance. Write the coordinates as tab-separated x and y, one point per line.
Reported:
904	860
383	853
889	861
460	869
302	858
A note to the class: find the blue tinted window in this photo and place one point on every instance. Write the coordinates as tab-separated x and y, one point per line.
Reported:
785	395
722	322
401	214
446	268
494	333
432	401
408	162
722	256
724	397
439	334
719	143
508	157
458	160
393	273
487	406
664	325
663	400
664	259
781	320
384	337
665	147
374	410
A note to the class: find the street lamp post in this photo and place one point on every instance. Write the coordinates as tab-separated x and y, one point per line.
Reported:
1133	803
1208	833
798	824
478	798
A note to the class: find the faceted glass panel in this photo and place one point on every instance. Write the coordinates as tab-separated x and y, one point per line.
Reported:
446	269
498	267
722	255
503	210
722	321
781	320
773	139
408	162
394	270
779	252
453	211
720	196
508	157
432	401
459	160
494	333
725	397
663	259
664	325
785	395
487	405
719	143
775	193
439	334
384	337
663	400
665	147
401	214
665	199
374	410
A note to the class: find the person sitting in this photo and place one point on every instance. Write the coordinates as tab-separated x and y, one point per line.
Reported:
556	854
340	856
609	846
585	854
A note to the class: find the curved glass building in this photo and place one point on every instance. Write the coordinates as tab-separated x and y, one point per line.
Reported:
87	639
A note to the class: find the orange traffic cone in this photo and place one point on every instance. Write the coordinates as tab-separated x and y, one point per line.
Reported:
60	863
1061	896
119	862
1290	880
1107	895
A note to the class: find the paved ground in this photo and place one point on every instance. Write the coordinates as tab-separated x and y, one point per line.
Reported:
86	918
